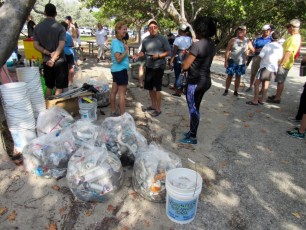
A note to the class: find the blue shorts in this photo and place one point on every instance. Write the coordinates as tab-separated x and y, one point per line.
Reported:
121	77
233	68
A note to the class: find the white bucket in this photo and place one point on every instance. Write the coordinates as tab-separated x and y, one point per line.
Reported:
88	111
183	188
22	137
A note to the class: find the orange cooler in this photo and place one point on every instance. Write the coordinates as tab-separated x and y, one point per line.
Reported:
30	52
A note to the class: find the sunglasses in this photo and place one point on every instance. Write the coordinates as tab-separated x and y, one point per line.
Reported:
152	27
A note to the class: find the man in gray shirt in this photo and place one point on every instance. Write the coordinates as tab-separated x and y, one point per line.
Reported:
156	48
49	39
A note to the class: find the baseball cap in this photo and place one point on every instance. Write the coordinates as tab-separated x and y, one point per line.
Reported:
294	23
183	27
266	27
69	18
152	21
242	27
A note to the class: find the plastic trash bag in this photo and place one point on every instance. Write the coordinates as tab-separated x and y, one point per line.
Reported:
120	136
94	174
53	119
85	133
150	169
48	155
101	84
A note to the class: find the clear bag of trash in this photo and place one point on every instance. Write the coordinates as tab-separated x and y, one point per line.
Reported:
101	84
120	136
85	132
79	78
53	119
150	169
94	174
48	155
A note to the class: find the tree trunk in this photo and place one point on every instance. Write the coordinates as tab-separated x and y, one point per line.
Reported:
13	15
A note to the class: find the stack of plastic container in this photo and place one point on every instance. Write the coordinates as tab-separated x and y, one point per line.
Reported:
18	112
31	76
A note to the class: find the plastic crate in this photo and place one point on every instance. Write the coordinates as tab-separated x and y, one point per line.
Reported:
30	52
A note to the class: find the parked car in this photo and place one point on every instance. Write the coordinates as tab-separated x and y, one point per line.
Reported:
84	31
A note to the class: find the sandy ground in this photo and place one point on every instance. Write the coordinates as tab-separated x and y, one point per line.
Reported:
253	173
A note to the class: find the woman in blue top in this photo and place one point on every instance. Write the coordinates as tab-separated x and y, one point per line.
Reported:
120	59
69	53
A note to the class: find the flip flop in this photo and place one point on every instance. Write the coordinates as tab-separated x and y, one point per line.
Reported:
262	103
155	114
273	101
251	103
149	108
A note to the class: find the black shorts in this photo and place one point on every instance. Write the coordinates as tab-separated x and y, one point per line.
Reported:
70	60
153	79
56	76
121	77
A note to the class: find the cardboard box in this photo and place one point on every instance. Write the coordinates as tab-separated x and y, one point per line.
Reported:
70	104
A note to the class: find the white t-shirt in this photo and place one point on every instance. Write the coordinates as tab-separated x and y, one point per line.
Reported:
270	55
183	42
100	36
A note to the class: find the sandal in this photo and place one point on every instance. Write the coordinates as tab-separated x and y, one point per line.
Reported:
251	103
155	113
260	102
149	108
273	101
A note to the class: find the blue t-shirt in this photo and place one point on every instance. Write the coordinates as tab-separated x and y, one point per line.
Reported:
261	42
68	45
118	47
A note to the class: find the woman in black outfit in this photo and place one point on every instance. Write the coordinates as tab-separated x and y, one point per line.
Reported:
197	63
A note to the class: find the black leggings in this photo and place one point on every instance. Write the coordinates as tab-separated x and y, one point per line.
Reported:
302	106
195	93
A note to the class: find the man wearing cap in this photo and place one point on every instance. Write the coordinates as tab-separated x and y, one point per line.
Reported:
235	58
155	47
49	39
142	60
258	44
291	48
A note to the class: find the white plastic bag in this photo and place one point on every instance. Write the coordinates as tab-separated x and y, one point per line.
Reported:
53	119
150	169
94	174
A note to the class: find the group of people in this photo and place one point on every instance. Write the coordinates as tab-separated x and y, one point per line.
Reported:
271	60
194	57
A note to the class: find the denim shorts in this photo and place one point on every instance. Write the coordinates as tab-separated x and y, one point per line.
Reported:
233	68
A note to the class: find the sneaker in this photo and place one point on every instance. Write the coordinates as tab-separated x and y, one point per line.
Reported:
114	114
225	92
248	89
187	134
293	119
189	140
297	134
236	94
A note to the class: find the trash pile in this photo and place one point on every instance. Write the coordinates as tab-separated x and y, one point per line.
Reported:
92	156
94	174
150	169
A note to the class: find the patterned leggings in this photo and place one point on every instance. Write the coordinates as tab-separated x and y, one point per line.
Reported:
195	93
